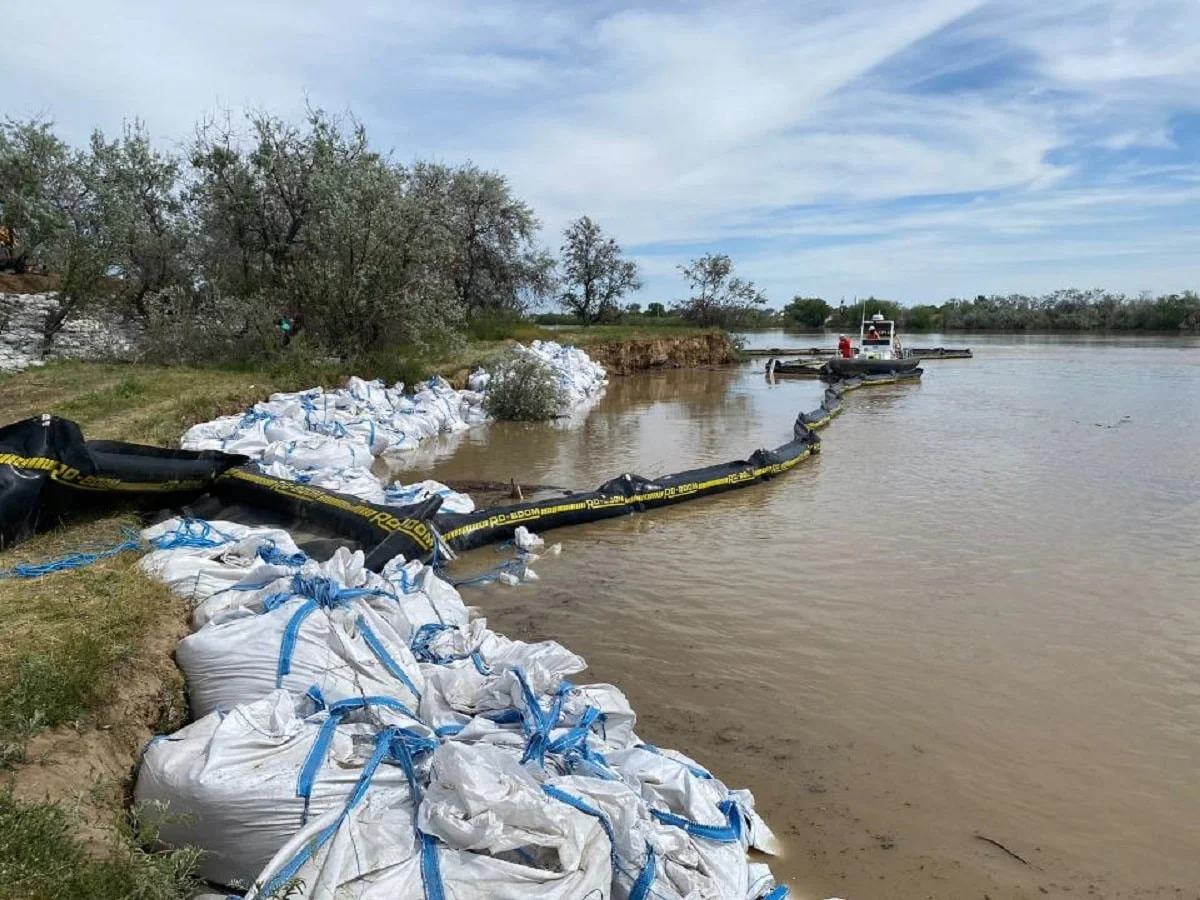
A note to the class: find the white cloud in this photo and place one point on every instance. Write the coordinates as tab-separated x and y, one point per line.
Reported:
778	126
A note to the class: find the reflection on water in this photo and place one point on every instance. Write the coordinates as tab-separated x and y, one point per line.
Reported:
977	611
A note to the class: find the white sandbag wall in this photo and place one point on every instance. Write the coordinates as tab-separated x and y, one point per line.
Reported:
355	729
331	438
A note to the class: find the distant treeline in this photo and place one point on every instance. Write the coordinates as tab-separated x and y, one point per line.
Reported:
1065	310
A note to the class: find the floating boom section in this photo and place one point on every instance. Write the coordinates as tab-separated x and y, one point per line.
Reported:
629	493
47	471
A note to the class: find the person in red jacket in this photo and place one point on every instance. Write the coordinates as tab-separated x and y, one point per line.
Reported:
844	348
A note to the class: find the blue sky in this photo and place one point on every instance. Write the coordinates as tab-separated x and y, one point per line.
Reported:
914	149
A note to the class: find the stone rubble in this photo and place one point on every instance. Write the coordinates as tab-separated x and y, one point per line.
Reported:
22	326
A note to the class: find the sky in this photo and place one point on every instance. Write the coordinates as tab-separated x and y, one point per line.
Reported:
911	149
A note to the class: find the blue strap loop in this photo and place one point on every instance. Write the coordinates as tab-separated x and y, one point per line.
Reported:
269	553
384	657
645	878
322	593
424	653
537	723
320	748
391	744
195	534
729	833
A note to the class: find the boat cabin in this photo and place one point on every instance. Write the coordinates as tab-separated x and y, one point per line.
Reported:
877	339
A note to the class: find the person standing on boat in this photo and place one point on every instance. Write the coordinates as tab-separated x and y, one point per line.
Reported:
844	348
873	334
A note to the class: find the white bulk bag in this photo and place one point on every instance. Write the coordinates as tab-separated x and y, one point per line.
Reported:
199	558
722	823
346	649
239	785
487	830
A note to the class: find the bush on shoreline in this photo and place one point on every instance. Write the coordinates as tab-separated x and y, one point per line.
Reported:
522	389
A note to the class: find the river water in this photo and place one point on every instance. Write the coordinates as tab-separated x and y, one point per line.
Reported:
976	614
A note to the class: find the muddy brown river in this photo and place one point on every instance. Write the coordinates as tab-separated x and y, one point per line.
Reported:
967	632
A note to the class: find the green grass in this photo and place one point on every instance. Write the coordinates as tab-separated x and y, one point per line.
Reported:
156	404
41	858
69	639
602	334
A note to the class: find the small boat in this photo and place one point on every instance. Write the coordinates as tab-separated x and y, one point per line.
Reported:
879	352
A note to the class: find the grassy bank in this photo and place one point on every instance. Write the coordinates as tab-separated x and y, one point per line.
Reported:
155	404
86	678
86	673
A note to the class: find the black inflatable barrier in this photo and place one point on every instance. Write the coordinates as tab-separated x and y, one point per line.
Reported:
942	352
624	495
47	470
381	531
629	493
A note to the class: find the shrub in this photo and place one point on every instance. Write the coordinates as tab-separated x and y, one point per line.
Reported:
523	389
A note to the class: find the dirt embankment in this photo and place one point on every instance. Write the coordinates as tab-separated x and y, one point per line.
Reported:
631	355
627	355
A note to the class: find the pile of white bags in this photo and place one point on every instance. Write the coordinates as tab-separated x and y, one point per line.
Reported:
361	735
331	438
578	377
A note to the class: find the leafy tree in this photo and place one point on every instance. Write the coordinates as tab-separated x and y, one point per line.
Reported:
807	312
924	317
48	202
34	164
850	317
717	296
143	228
595	275
657	310
309	221
498	267
634	309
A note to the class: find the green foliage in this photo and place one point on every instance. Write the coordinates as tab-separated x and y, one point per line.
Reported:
512	327
1064	310
41	858
499	266
56	680
924	317
310	222
523	389
142	229
49	201
266	218
595	275
68	638
34	169
656	310
806	312
716	295
1074	310
55	686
